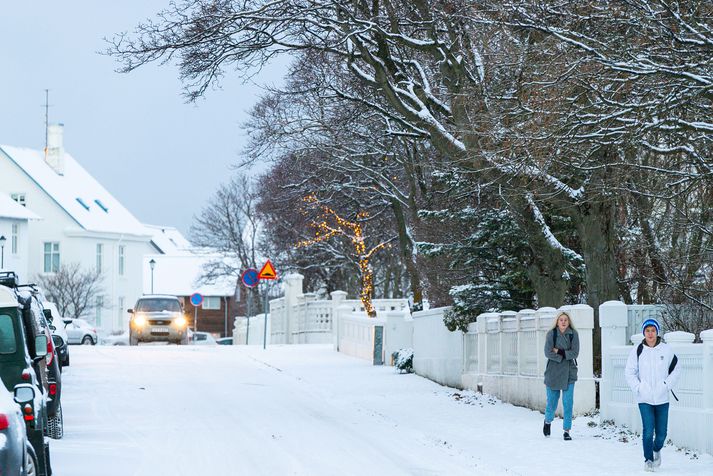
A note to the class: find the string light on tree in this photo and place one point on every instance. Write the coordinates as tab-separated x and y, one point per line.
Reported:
328	224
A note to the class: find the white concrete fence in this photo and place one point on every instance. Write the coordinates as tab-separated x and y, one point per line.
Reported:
504	356
690	418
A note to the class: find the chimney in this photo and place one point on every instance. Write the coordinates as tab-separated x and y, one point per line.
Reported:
54	155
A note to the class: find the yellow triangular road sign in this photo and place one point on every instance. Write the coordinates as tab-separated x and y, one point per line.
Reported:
267	271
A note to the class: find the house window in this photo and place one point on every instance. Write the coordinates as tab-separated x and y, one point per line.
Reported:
120	313
211	303
19	198
100	252
122	258
98	307
51	257
15	237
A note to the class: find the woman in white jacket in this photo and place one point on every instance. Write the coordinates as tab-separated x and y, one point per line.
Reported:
652	373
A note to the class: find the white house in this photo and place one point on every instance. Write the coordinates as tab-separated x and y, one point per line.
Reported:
81	223
14	248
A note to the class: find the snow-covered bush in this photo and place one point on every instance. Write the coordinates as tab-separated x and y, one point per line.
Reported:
403	360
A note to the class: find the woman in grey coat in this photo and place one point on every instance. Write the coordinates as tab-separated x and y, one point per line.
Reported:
561	351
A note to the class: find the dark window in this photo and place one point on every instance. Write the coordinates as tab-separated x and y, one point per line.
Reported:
82	203
8	345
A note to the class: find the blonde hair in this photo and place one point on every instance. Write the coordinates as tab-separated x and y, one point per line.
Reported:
569	319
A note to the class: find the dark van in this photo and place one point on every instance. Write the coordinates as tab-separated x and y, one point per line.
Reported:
23	365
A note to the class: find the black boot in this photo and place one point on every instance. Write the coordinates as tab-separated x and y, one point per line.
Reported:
546	429
566	436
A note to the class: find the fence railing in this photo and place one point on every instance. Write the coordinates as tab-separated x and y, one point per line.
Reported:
503	355
691	417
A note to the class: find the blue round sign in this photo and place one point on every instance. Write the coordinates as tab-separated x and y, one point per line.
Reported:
250	277
196	299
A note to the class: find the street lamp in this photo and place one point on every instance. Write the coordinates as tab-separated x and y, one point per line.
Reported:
2	251
152	264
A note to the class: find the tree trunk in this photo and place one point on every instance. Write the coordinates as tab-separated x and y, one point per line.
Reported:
406	246
547	269
596	225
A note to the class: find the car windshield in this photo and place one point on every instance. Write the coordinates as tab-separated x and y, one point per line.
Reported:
7	335
158	305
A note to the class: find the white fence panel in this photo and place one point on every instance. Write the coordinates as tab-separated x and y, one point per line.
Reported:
504	356
690	418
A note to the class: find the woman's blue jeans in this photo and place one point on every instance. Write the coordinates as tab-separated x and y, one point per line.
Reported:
553	397
654	419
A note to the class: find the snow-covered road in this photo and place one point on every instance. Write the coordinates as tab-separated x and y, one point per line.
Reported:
307	410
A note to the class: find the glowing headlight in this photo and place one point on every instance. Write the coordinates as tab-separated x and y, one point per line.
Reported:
140	321
180	321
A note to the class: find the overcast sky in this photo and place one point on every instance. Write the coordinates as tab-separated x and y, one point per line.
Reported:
162	158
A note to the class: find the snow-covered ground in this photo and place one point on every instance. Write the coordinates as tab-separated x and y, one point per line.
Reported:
307	410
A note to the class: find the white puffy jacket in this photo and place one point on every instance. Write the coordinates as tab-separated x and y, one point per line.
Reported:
648	377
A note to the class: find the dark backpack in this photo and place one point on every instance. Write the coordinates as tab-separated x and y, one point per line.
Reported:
671	366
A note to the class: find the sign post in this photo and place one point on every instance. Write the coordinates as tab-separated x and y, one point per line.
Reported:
250	280
268	273
196	300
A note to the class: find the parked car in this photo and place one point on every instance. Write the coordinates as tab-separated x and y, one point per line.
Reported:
34	316
23	365
224	341
157	318
59	333
115	339
202	338
17	457
80	331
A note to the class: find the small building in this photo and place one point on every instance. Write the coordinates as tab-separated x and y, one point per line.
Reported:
180	275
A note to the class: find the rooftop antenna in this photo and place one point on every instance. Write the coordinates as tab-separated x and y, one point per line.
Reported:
47	118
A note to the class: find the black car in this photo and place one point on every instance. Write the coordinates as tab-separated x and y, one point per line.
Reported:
59	334
23	365
34	316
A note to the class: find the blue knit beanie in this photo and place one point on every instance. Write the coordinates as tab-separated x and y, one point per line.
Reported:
651	322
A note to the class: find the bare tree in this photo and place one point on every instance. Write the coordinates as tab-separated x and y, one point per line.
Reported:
72	289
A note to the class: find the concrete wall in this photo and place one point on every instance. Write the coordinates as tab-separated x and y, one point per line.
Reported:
437	352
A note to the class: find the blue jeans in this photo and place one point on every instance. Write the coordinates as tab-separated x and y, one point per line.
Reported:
654	419
553	397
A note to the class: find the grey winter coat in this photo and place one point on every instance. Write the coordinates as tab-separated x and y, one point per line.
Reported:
561	371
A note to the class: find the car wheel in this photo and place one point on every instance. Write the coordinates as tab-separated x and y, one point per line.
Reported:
87	340
133	340
31	463
55	425
66	362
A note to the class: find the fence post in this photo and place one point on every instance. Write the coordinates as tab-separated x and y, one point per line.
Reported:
707	338
482	329
338	297
293	290
614	321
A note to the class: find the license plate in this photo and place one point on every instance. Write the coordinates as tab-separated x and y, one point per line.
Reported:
159	330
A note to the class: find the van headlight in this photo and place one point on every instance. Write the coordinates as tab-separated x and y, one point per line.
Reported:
181	321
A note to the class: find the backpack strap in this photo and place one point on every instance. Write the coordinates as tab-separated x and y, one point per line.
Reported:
671	366
674	361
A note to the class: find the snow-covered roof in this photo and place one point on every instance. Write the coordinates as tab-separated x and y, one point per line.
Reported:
77	192
179	275
169	240
9	208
